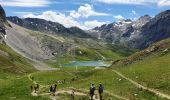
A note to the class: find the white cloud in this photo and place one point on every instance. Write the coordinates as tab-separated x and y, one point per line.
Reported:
67	21
134	12
134	15
159	3
163	3
55	17
118	17
85	11
74	14
25	3
136	2
94	23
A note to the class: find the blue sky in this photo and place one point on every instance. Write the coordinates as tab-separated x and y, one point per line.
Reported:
85	14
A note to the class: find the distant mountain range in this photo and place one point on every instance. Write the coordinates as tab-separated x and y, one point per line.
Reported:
136	34
48	27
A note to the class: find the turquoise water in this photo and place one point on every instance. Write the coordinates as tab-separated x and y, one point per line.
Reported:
87	63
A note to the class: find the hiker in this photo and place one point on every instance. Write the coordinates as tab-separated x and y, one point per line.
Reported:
92	90
55	89
72	95
51	89
100	90
36	88
64	81
73	79
32	78
31	87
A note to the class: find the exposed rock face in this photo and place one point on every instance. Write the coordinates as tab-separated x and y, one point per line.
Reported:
48	27
137	34
2	26
120	32
157	28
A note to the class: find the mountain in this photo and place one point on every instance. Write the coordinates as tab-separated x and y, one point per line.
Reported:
156	29
136	34
45	46
42	40
120	32
2	22
10	61
113	32
48	27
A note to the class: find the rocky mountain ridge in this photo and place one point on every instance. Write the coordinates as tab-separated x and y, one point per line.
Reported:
48	27
136	34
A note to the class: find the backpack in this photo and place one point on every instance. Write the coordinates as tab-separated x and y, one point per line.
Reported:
92	89
100	89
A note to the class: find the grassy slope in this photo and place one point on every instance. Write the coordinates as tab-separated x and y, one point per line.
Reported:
12	68
152	70
109	79
11	62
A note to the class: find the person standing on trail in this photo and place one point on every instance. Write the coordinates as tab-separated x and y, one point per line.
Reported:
92	90
100	90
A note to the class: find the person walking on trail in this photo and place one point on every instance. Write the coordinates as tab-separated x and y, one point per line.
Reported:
92	90
32	78
64	81
31	87
100	90
36	88
72	95
53	89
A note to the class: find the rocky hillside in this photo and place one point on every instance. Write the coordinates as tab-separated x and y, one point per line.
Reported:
45	46
137	34
2	22
10	61
156	29
48	27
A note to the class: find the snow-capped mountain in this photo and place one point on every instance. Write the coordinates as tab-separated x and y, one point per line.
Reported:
137	34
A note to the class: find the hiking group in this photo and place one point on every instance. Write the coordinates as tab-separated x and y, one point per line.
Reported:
53	90
92	91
